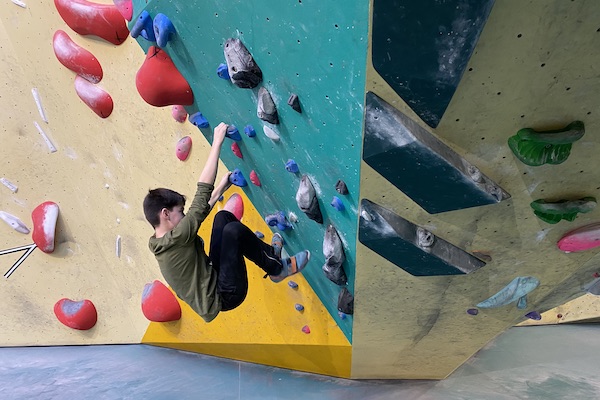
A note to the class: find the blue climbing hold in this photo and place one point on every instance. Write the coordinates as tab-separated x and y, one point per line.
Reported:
279	220
515	291
337	204
221	198
143	26
249	130
299	307
291	166
342	315
233	133
472	311
237	179
163	30
534	315
293	284
199	120
223	72
259	234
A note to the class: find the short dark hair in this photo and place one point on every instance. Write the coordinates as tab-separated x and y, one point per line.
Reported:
160	198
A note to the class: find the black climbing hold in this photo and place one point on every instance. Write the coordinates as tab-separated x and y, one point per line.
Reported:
333	250
294	102
242	69
306	197
341	187
346	302
266	109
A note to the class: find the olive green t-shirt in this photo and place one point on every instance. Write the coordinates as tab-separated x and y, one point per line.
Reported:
183	262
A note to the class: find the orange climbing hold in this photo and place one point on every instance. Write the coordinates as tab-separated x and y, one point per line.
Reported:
94	97
160	83
87	18
159	303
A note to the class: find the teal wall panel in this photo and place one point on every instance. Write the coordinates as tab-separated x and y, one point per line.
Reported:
316	49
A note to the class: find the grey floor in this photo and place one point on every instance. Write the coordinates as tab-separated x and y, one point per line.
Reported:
553	362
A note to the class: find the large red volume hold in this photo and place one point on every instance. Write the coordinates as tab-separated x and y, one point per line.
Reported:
44	219
159	303
96	98
76	58
87	18
160	83
80	315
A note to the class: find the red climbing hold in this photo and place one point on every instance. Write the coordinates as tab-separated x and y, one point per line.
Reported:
236	150
87	18
160	83
254	178
95	97
125	7
80	315
306	329
76	58
159	303
235	205
179	114
44	219
183	148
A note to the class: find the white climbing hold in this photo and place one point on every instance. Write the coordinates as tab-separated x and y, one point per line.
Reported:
14	222
292	217
271	134
38	103
11	186
45	137
118	246
20	3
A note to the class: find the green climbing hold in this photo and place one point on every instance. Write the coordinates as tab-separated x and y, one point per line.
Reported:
553	212
547	147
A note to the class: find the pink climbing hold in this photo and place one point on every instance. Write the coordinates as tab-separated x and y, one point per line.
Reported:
87	18
160	83
179	114
76	58
306	329
81	315
44	219
159	303
125	7
184	145
94	97
235	205
236	150
580	239
254	178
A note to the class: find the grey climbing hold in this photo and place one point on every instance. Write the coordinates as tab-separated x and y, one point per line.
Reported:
259	234
293	284
294	102
241	66
346	302
306	197
333	250
341	187
266	109
516	290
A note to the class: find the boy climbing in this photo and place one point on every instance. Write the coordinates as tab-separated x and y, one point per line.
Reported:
219	281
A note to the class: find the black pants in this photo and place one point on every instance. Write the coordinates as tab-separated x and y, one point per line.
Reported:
230	242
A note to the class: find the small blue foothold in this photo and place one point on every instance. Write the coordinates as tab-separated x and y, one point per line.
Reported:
292	167
143	26
342	315
472	311
221	198
233	133
299	307
249	130
534	315
223	72
199	120
293	284
279	220
259	234
337	204
237	178
163	30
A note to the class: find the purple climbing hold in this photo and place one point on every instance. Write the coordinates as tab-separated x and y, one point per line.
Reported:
299	307
534	315
233	133
291	166
472	311
237	179
249	130
222	72
259	234
337	204
198	120
293	284
279	220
